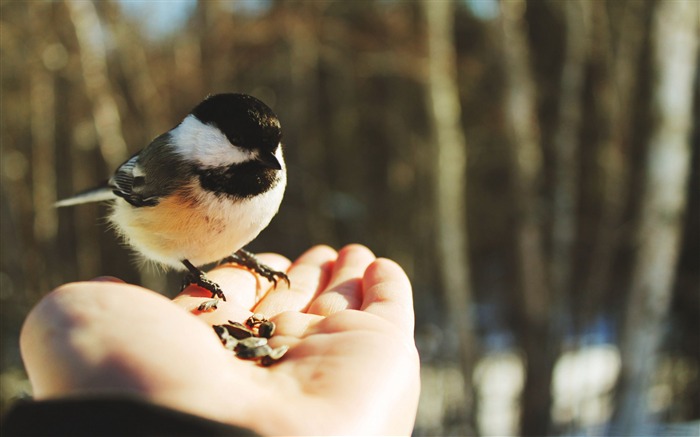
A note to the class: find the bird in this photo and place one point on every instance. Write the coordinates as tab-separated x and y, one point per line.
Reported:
200	192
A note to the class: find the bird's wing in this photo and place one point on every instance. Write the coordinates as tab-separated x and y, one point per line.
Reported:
129	183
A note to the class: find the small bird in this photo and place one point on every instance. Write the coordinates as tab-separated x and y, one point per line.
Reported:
200	192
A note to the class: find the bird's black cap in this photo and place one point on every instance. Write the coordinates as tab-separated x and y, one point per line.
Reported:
246	121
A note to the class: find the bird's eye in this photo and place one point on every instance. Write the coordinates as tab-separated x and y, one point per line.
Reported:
139	181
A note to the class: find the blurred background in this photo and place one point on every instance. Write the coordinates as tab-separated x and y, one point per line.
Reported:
534	166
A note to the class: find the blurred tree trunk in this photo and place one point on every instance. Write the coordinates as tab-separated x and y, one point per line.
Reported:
675	51
138	76
522	121
107	124
42	103
566	156
618	57
188	59
208	73
93	58
450	182
304	60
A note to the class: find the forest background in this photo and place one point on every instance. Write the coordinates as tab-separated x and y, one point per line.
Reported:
534	166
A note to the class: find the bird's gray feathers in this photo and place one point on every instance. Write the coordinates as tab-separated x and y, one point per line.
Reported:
152	174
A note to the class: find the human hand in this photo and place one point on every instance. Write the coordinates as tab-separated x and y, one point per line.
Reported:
352	368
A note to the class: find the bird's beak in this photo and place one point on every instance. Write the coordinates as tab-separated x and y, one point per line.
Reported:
269	160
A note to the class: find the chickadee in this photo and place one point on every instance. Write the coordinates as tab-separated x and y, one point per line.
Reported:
201	191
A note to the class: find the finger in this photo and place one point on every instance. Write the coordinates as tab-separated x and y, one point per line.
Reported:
344	290
387	294
308	276
242	287
273	260
294	324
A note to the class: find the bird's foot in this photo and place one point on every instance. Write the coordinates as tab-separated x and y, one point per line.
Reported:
248	260
199	278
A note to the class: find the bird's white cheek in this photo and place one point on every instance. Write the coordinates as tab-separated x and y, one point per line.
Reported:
206	144
280	157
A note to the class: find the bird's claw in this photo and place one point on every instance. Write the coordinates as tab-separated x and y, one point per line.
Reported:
199	278
248	260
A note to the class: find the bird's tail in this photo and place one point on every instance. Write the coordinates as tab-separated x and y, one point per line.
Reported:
99	194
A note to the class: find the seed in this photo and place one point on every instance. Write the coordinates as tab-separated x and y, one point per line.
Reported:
220	330
251	343
227	339
231	343
274	356
208	305
266	329
255	352
238	330
255	319
279	352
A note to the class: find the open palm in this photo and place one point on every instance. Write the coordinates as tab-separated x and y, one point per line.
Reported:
348	317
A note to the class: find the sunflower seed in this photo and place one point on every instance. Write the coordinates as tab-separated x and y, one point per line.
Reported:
274	356
255	352
266	329
251	343
238	330
208	305
255	319
227	339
